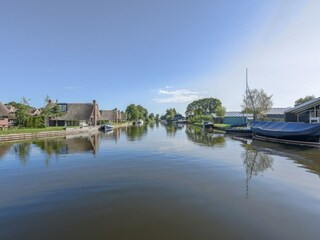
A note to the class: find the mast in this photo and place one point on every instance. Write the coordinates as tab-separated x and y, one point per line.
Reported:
248	92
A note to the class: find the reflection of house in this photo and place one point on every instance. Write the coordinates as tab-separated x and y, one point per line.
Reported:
275	115
111	115
75	114
305	112
4	116
237	118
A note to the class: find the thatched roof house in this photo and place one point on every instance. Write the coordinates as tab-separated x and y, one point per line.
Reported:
111	115
75	114
4	116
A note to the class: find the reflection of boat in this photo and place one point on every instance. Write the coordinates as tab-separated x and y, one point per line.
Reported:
287	132
243	132
208	125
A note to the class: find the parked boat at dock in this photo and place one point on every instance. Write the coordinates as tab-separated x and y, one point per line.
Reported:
107	127
208	125
287	132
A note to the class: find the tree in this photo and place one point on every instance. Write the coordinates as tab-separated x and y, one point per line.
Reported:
170	113
157	117
257	103
303	100
205	106
132	112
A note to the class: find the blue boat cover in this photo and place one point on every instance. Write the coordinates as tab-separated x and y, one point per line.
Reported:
285	129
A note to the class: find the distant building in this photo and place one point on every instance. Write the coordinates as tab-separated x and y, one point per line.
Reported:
75	114
237	118
178	117
275	115
111	116
4	116
305	112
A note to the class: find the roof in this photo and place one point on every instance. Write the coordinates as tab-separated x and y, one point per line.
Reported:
304	106
4	112
110	115
276	111
75	111
238	114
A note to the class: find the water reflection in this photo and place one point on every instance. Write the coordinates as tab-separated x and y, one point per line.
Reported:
136	132
306	157
199	136
172	128
255	162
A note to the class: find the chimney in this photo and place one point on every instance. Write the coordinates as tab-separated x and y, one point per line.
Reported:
50	101
94	101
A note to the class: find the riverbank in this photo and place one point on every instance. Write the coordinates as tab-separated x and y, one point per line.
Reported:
29	134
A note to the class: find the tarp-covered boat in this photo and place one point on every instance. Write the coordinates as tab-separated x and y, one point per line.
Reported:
287	130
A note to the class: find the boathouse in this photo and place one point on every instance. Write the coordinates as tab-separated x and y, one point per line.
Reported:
237	118
308	112
75	114
4	116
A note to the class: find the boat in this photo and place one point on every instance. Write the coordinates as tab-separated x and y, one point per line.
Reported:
208	125
298	133
138	122
107	127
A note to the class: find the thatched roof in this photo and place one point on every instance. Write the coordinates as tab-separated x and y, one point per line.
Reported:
4	112
75	111
109	115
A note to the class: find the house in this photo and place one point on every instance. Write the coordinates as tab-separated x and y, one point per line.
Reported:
75	114
110	115
237	118
306	112
34	111
275	115
4	116
178	117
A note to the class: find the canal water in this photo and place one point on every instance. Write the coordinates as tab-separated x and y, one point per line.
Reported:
158	182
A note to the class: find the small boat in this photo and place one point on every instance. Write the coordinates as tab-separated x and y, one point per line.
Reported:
107	127
138	122
208	125
287	132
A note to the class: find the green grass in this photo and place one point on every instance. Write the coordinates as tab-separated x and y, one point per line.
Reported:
225	126
30	130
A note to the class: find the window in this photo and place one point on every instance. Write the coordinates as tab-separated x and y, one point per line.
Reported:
63	107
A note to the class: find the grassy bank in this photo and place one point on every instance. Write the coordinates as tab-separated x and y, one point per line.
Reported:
30	130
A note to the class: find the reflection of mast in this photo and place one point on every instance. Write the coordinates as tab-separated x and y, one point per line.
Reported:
249	171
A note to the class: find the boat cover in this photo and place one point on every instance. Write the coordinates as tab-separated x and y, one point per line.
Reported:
285	129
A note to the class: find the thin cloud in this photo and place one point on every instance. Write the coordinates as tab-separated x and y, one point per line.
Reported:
176	96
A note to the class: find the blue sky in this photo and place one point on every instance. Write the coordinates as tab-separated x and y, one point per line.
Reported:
158	53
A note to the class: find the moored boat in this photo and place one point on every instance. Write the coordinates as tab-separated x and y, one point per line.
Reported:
287	132
107	127
208	125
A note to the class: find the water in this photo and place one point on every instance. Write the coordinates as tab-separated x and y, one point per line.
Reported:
158	182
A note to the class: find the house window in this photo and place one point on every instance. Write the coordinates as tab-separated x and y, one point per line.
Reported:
63	107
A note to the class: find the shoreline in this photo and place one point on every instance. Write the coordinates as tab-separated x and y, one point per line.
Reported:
12	137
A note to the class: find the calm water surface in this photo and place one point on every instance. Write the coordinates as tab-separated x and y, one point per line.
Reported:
158	182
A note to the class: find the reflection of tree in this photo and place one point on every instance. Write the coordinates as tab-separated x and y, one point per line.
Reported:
4	148
254	162
197	135
22	150
136	132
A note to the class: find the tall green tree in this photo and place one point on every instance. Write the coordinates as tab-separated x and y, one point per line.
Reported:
205	106
303	100
258	102
170	113
132	112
